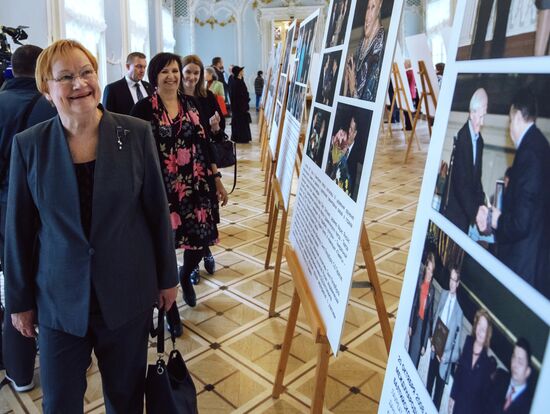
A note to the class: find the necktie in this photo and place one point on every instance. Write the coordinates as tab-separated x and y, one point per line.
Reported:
508	400
138	92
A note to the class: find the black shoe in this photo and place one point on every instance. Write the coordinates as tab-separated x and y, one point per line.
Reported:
195	275
209	264
189	295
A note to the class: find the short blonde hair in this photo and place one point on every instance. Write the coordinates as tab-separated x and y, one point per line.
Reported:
45	61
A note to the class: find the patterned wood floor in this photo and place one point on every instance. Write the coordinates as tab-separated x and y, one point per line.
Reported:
231	345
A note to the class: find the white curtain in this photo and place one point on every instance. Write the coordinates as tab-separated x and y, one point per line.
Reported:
168	41
439	19
138	25
87	25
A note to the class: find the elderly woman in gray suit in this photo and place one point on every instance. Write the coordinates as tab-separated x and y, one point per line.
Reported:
89	245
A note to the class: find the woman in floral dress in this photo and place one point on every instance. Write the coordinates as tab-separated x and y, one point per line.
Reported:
192	182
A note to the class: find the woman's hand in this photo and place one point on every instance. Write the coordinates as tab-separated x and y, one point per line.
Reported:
215	122
221	192
24	323
167	297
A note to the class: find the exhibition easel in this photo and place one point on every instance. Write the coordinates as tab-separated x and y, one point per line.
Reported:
427	91
265	130
261	116
303	295
399	95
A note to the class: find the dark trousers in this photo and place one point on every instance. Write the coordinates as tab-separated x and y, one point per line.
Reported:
191	259
499	35
16	351
122	360
258	97
433	375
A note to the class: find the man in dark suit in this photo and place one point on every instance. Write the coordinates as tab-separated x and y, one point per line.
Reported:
450	313
421	320
21	106
120	96
510	392
498	40
522	228
465	194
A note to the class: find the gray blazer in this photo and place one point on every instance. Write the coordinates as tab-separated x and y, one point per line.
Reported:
452	351
130	252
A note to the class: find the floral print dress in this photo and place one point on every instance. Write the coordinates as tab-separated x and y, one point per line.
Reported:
185	159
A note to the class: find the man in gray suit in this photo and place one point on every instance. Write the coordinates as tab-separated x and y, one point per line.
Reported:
450	314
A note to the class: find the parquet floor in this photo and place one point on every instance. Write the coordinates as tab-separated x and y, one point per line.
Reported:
230	344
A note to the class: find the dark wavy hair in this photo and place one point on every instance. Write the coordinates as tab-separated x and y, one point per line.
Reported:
159	62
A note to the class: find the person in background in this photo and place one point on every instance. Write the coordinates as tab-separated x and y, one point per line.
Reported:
258	88
217	64
439	70
466	195
120	96
21	106
216	87
191	179
421	320
511	392
213	125
522	227
473	373
90	289
449	312
240	121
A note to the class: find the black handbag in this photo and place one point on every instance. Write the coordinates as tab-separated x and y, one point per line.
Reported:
169	388
225	153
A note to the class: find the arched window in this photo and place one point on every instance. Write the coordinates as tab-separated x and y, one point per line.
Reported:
138	26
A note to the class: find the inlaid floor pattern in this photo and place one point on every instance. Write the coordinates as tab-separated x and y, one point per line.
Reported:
230	344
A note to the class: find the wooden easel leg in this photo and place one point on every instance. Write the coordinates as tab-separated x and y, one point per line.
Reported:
267	174
377	290
321	375
269	185
278	260
273	225
287	342
413	132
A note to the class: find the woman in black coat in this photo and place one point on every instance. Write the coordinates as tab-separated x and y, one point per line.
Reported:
240	121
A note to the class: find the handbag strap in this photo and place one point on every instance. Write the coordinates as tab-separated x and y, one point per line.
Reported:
159	332
234	169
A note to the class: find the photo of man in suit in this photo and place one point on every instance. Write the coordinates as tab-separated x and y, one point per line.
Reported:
120	96
522	228
511	392
466	195
450	313
421	320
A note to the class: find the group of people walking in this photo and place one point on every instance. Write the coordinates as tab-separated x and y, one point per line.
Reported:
96	206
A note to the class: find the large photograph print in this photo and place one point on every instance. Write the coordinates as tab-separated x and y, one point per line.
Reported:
366	49
347	147
469	337
338	23
505	28
495	169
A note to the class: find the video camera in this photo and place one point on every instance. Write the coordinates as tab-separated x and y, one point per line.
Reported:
17	34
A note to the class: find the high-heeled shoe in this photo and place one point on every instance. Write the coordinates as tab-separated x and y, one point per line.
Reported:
209	263
189	295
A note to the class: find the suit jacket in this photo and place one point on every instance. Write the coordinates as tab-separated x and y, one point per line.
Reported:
451	351
497	396
117	97
426	326
523	230
130	252
466	192
471	385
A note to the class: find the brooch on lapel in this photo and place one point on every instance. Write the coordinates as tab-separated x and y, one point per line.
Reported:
121	133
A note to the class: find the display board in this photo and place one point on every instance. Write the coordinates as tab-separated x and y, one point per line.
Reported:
295	105
356	61
473	325
281	90
272	87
